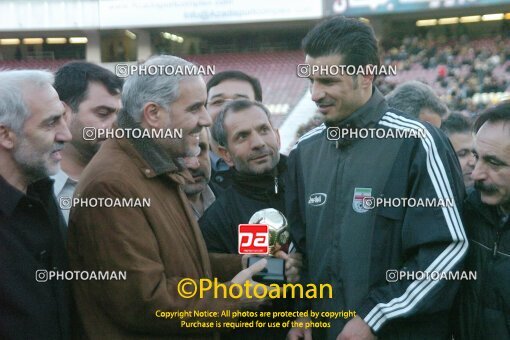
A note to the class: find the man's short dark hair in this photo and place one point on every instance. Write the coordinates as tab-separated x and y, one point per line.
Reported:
456	123
349	37
498	113
413	96
236	75
72	82
218	129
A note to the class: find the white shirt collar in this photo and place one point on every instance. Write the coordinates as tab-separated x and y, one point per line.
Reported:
60	179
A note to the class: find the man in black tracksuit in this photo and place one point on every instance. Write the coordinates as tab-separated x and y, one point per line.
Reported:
484	304
222	88
372	255
249	144
247	195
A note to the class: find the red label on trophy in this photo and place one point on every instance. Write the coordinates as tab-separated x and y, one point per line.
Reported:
253	239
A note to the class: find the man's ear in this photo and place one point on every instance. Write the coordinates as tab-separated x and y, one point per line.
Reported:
7	137
152	114
223	153
368	78
68	113
277	132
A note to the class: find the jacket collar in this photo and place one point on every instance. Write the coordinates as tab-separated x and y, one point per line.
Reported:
490	212
218	163
366	116
261	187
152	159
11	196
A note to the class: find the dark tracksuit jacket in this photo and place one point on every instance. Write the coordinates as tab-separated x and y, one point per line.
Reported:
352	248
247	195
483	305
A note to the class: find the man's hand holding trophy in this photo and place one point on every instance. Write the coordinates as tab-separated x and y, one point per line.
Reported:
282	265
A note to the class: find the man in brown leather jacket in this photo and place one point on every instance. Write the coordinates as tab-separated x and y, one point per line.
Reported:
157	243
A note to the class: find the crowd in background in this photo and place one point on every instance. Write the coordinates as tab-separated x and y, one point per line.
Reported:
462	67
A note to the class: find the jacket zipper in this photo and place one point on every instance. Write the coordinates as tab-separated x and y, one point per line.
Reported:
496	243
275	184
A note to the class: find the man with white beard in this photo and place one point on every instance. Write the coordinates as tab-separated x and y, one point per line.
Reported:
32	230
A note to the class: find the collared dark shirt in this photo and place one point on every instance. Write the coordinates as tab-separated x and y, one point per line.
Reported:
32	241
221	175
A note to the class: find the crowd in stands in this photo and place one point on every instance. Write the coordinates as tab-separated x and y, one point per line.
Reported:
456	68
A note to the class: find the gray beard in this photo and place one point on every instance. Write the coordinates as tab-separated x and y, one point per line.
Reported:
32	171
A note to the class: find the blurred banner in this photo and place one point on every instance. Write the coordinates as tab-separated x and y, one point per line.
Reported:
25	15
22	15
371	7
119	13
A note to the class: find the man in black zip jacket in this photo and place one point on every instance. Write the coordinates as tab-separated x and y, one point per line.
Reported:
222	88
249	144
366	202
484	303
